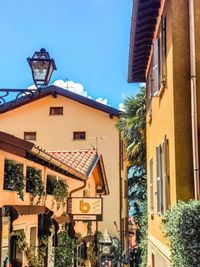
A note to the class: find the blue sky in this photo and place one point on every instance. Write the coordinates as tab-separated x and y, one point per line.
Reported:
88	39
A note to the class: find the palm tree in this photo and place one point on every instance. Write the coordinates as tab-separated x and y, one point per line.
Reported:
132	128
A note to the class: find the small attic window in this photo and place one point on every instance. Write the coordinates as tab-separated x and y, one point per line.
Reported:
56	111
79	135
30	136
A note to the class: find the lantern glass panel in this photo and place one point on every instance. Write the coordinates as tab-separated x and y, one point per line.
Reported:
49	72
40	69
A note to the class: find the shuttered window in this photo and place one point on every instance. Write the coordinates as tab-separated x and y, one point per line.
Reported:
159	58
163	49
151	186
156	66
150	91
166	188
159	179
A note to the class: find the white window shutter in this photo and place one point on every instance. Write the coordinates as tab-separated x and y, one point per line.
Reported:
156	66
165	174
159	179
151	186
163	49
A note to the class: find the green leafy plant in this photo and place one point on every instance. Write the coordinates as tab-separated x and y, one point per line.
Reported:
182	227
33	260
34	183
64	252
116	250
89	227
91	254
59	189
14	178
60	193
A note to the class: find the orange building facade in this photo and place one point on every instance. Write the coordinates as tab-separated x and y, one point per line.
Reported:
45	215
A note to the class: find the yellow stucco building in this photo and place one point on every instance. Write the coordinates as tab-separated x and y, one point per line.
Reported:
164	33
59	120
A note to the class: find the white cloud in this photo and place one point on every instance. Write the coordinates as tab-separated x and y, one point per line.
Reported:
102	100
75	88
121	107
72	86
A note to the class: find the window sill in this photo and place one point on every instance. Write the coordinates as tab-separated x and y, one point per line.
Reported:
56	115
78	139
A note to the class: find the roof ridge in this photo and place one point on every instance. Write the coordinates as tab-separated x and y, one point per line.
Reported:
70	150
54	90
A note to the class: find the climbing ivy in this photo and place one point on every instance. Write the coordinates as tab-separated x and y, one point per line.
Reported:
59	189
34	183
33	260
65	251
14	177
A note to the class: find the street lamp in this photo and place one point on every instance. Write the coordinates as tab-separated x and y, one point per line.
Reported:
42	67
105	250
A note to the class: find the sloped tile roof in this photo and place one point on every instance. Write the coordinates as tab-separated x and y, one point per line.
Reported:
81	160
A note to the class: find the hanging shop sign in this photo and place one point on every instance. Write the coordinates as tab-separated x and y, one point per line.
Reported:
85	209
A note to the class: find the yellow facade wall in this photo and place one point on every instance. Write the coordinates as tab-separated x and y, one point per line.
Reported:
171	115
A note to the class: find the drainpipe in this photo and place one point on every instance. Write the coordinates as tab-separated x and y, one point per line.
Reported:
194	100
77	189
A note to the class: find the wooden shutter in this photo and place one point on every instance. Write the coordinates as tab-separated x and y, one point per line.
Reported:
151	185
163	49
156	66
159	179
165	175
150	92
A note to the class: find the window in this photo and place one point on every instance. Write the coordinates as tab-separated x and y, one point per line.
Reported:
149	88
151	186
166	185
79	135
162	170
51	182
29	136
56	110
33	179
13	175
159	58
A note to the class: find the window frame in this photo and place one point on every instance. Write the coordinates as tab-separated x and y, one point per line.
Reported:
50	193
166	185
30	133
79	133
159	59
51	109
159	179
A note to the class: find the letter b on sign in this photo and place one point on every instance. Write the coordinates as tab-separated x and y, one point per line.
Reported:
84	206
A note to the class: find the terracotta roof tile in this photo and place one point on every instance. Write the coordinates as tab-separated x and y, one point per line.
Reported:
80	160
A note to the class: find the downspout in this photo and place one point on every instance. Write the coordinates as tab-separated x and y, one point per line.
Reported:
77	189
194	100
